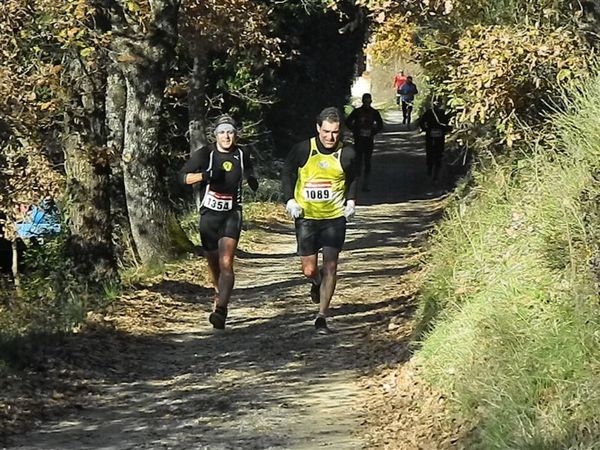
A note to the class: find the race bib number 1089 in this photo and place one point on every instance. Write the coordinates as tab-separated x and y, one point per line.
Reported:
318	191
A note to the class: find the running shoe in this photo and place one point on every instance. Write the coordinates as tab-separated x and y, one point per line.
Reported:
218	317
321	326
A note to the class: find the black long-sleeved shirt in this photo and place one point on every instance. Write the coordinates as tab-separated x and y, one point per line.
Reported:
434	119
298	156
365	122
226	181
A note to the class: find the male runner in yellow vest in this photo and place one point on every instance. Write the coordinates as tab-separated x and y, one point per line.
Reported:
319	185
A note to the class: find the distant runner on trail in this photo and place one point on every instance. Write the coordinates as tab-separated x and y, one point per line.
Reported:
220	168
399	80
407	94
434	122
319	185
364	122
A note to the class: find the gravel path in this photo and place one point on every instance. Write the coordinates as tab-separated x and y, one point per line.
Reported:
268	381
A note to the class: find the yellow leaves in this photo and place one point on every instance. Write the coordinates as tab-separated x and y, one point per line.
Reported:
128	58
394	36
72	32
83	10
501	71
46	105
230	25
132	6
563	74
87	52
543	50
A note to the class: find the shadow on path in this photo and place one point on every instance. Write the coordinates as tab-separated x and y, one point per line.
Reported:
267	381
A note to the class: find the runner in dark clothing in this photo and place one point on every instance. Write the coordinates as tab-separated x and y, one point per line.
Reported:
434	122
364	122
220	168
319	185
407	94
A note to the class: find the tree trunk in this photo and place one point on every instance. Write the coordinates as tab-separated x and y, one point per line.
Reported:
116	103
15	263
197	97
150	215
87	163
197	105
144	57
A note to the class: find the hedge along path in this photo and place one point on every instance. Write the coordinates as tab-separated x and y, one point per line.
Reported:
160	377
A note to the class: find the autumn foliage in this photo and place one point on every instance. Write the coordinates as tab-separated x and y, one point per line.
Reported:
494	63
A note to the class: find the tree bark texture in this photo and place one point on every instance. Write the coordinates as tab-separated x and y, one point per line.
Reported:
87	164
197	97
144	56
197	105
116	103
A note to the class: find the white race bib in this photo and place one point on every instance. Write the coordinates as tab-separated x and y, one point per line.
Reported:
318	191
436	132
218	202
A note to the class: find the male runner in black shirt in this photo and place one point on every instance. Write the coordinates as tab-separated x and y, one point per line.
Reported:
364	122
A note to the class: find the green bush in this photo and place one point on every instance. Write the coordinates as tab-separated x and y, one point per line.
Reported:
52	299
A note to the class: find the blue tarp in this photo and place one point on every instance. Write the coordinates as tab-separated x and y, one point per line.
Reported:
42	220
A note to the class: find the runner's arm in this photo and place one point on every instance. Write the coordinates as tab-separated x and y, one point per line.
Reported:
295	159
249	171
349	165
191	172
378	122
351	120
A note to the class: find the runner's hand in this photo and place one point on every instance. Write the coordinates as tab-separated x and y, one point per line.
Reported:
349	209
207	175
293	209
253	183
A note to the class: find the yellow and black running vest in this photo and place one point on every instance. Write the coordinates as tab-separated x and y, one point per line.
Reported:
321	184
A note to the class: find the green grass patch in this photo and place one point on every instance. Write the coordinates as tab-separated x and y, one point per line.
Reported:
509	313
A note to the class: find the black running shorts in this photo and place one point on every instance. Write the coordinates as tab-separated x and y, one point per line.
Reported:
314	234
215	225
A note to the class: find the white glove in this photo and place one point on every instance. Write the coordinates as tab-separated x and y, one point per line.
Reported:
349	209
293	209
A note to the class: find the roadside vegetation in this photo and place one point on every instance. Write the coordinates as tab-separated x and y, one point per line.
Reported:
508	316
509	311
508	320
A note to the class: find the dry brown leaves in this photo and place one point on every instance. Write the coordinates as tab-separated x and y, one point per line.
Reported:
403	412
62	374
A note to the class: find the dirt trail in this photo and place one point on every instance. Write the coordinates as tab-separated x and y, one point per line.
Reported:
267	382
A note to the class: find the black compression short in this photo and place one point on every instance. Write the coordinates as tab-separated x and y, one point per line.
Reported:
215	225
314	234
